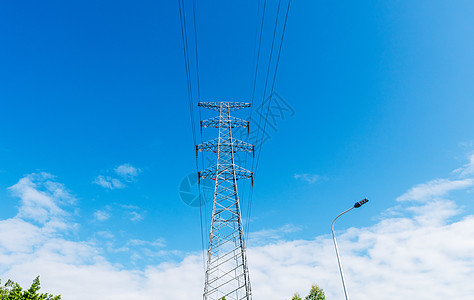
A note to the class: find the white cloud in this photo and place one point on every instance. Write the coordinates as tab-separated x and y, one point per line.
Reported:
423	251
156	243
41	197
109	182
135	216
130	212
270	235
467	169
17	235
105	234
310	178
129	206
127	171
434	188
398	258
101	215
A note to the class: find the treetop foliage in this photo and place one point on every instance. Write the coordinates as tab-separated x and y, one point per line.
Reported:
296	296
316	293
13	291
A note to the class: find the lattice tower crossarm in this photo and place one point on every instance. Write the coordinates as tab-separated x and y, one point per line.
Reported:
227	272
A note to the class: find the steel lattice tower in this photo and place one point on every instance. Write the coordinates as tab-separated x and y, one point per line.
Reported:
227	273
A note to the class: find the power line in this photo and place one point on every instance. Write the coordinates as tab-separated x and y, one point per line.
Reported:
258	55
260	118
274	78
200	117
182	17
269	104
253	94
196	48
268	71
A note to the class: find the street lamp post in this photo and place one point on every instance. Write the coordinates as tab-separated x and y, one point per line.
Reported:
356	205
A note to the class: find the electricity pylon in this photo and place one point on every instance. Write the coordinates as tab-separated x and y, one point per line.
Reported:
227	273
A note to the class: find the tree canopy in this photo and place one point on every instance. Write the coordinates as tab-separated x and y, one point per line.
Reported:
296	296
316	293
13	291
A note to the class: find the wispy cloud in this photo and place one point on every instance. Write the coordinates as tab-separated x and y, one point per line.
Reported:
101	215
467	169
108	182
270	235
135	216
310	178
105	234
131	212
130	206
159	243
125	172
434	188
134	213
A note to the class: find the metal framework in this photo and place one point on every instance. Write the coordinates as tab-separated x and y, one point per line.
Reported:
227	272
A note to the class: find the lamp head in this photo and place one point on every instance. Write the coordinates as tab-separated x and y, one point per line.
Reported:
361	202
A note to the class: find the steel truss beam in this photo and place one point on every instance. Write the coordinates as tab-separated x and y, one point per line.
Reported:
230	106
238	146
216	121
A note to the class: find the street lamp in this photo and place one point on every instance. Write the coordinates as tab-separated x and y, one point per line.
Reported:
356	205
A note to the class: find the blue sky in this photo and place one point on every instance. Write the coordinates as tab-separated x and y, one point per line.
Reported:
94	104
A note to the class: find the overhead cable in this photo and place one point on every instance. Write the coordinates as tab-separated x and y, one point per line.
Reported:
269	104
182	17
